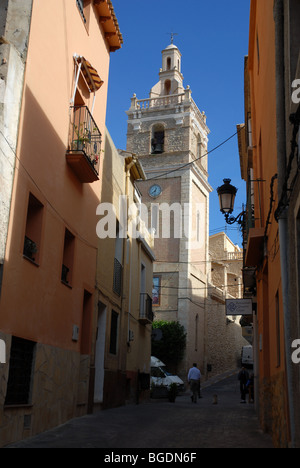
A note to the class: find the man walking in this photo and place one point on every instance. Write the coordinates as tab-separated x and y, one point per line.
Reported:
243	378
194	377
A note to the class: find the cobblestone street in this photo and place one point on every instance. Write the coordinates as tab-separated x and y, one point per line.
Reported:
160	424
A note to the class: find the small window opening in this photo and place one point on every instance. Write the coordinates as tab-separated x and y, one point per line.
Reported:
80	4
113	332
169	63
199	146
33	229
118	262
68	258
167	87
85	345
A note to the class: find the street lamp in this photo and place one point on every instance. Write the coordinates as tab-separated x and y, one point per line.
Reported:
227	193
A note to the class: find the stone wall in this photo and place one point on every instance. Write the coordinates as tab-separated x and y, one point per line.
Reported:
60	383
14	33
224	338
273	407
224	334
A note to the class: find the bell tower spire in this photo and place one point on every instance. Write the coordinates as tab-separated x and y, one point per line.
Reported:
170	77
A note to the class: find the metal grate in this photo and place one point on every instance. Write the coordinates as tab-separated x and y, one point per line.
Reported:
30	248
20	371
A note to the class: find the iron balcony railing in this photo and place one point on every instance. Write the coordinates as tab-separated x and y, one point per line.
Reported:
146	313
85	135
30	248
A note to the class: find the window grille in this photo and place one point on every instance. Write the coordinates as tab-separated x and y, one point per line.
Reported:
20	371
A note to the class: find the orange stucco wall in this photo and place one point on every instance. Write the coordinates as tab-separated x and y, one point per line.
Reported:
269	294
35	304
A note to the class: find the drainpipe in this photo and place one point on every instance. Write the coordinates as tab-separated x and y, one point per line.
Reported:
283	218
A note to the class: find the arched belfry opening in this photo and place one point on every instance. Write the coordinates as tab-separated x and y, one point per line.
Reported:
167	87
157	139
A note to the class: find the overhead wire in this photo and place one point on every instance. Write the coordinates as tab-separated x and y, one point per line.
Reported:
195	160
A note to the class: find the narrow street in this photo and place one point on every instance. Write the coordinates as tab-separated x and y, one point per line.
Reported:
164	425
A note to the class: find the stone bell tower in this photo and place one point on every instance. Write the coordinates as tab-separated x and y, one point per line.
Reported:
168	133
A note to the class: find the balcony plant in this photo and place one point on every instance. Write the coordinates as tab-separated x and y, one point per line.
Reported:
83	137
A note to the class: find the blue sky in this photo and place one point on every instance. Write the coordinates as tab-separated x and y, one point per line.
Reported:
212	36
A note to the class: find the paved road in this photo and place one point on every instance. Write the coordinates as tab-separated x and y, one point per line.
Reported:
163	425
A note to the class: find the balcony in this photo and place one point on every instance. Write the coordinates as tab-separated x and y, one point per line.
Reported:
83	154
146	314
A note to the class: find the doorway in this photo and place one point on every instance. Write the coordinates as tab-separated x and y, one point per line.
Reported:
100	351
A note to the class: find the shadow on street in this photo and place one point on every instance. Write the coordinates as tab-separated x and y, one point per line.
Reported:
161	424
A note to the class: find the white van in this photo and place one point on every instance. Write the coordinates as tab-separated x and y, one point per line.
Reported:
247	356
161	379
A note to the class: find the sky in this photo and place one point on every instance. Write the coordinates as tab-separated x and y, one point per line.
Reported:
212	36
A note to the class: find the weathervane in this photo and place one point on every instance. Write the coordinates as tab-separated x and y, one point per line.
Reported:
172	36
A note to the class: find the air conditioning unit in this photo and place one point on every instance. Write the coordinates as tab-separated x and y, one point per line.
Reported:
75	334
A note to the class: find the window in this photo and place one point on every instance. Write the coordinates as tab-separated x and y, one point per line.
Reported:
167	87
169	63
113	332
20	372
33	229
199	147
68	258
85	347
156	291
118	269
80	4
84	9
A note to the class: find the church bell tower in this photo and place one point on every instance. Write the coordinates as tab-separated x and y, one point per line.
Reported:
169	135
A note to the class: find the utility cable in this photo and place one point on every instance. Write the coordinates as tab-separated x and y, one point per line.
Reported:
195	160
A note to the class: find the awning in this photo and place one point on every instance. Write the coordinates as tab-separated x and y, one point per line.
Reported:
90	74
255	247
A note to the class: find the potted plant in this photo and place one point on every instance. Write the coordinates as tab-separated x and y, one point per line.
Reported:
172	392
83	137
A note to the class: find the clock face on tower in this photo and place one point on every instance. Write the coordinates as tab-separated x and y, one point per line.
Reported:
155	191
